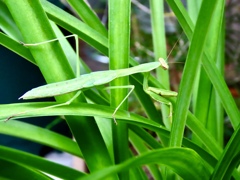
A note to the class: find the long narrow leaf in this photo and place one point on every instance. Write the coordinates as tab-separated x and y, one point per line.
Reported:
231	151
213	73
193	62
40	135
20	172
179	159
88	16
34	162
83	109
119	51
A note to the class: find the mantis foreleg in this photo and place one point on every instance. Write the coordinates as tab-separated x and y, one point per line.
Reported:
159	94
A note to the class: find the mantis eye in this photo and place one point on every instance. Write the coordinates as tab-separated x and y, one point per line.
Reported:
164	64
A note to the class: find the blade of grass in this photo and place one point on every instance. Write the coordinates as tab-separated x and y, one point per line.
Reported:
216	108
193	8
234	163
119	45
40	135
179	159
191	66
73	25
205	96
140	147
159	41
20	172
16	47
159	45
213	74
69	51
36	162
138	173
83	109
230	152
88	16
7	24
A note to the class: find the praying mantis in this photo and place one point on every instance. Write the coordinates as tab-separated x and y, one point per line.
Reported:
98	78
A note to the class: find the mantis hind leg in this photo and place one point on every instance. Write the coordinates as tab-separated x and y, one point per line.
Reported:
47	107
131	87
61	41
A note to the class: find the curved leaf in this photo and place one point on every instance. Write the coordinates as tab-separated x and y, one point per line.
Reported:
35	162
178	159
230	153
83	109
20	172
16	47
11	170
40	135
190	70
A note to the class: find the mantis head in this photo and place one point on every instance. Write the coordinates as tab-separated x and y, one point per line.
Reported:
163	63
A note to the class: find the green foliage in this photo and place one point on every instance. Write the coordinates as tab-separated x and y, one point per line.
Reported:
106	150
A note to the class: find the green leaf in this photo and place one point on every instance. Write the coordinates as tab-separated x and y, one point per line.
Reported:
16	47
40	135
83	109
119	51
88	16
178	159
33	162
10	170
231	152
7	23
